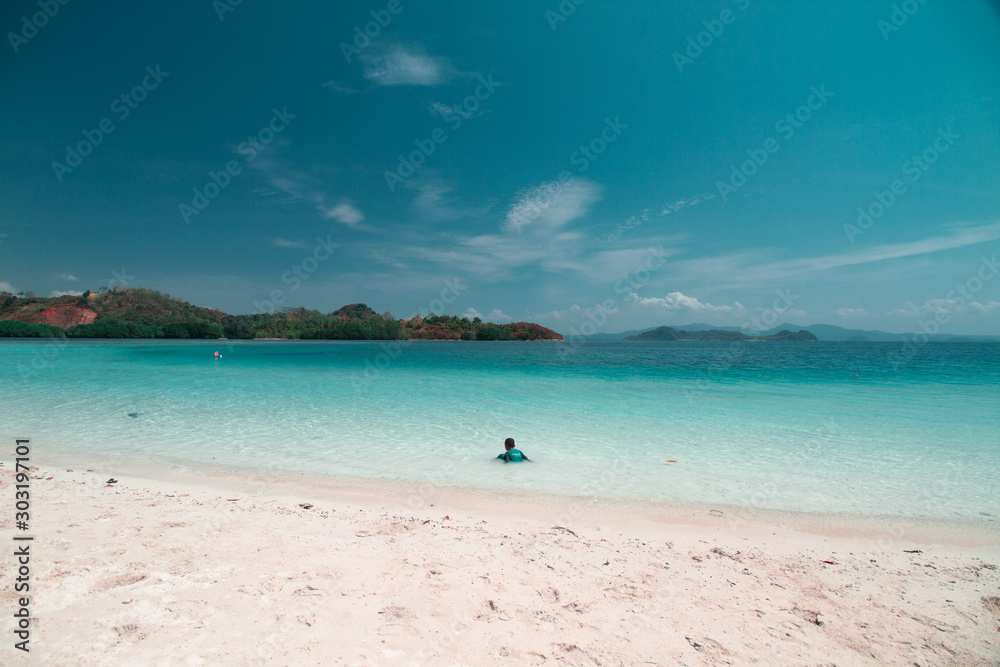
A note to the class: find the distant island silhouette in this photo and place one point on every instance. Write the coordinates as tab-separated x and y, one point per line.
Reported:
669	333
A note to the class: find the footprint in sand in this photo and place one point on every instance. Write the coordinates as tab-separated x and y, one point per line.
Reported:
397	630
550	595
116	581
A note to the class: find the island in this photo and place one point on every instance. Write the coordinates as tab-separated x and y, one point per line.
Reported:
148	313
669	333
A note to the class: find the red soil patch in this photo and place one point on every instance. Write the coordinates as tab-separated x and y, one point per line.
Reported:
62	315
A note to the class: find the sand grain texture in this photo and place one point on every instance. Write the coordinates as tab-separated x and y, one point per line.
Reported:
141	573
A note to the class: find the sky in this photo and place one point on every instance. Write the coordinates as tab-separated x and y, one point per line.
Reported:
590	166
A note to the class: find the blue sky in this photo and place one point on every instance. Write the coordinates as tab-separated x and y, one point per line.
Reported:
617	166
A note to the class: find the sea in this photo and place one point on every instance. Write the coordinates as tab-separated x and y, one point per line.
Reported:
904	430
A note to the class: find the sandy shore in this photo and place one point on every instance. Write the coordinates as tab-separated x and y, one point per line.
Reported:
180	571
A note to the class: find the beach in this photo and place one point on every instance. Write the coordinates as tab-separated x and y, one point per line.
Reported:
201	570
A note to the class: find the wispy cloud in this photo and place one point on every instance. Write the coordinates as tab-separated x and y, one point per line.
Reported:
338	88
285	243
436	200
680	301
959	238
552	204
300	187
446	110
945	307
851	312
406	67
683	203
68	292
752	267
6	287
67	276
632	223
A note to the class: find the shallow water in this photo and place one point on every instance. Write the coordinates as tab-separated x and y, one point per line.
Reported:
830	427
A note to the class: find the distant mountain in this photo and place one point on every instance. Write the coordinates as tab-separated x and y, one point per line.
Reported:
615	336
822	332
669	333
831	332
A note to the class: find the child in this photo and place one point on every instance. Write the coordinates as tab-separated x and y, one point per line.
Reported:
512	454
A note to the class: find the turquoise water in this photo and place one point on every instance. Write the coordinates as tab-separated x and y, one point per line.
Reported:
834	427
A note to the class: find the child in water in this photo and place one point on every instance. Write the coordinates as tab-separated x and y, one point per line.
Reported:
515	455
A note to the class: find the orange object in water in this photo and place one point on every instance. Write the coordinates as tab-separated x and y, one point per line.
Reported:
671	461
447	518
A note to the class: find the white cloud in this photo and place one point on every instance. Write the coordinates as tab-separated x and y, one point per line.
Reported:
749	267
68	276
336	87
342	212
6	287
445	110
402	67
496	316
960	238
299	186
679	301
304	188
944	307
851	312
680	204
552	204
69	292
631	223
285	243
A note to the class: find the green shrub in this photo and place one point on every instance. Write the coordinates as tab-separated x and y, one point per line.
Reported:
110	329
9	329
238	329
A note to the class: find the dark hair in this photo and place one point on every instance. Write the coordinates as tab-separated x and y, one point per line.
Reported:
508	441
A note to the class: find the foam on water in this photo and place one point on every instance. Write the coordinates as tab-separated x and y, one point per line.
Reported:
776	425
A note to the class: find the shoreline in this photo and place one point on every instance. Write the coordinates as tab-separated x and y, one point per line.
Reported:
407	495
176	568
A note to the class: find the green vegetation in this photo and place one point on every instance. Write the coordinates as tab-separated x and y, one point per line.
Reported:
146	313
196	330
26	330
110	329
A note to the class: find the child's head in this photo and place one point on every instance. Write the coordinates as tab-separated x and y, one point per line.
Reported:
509	443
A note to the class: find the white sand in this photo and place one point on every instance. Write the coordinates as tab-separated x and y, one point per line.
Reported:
172	572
